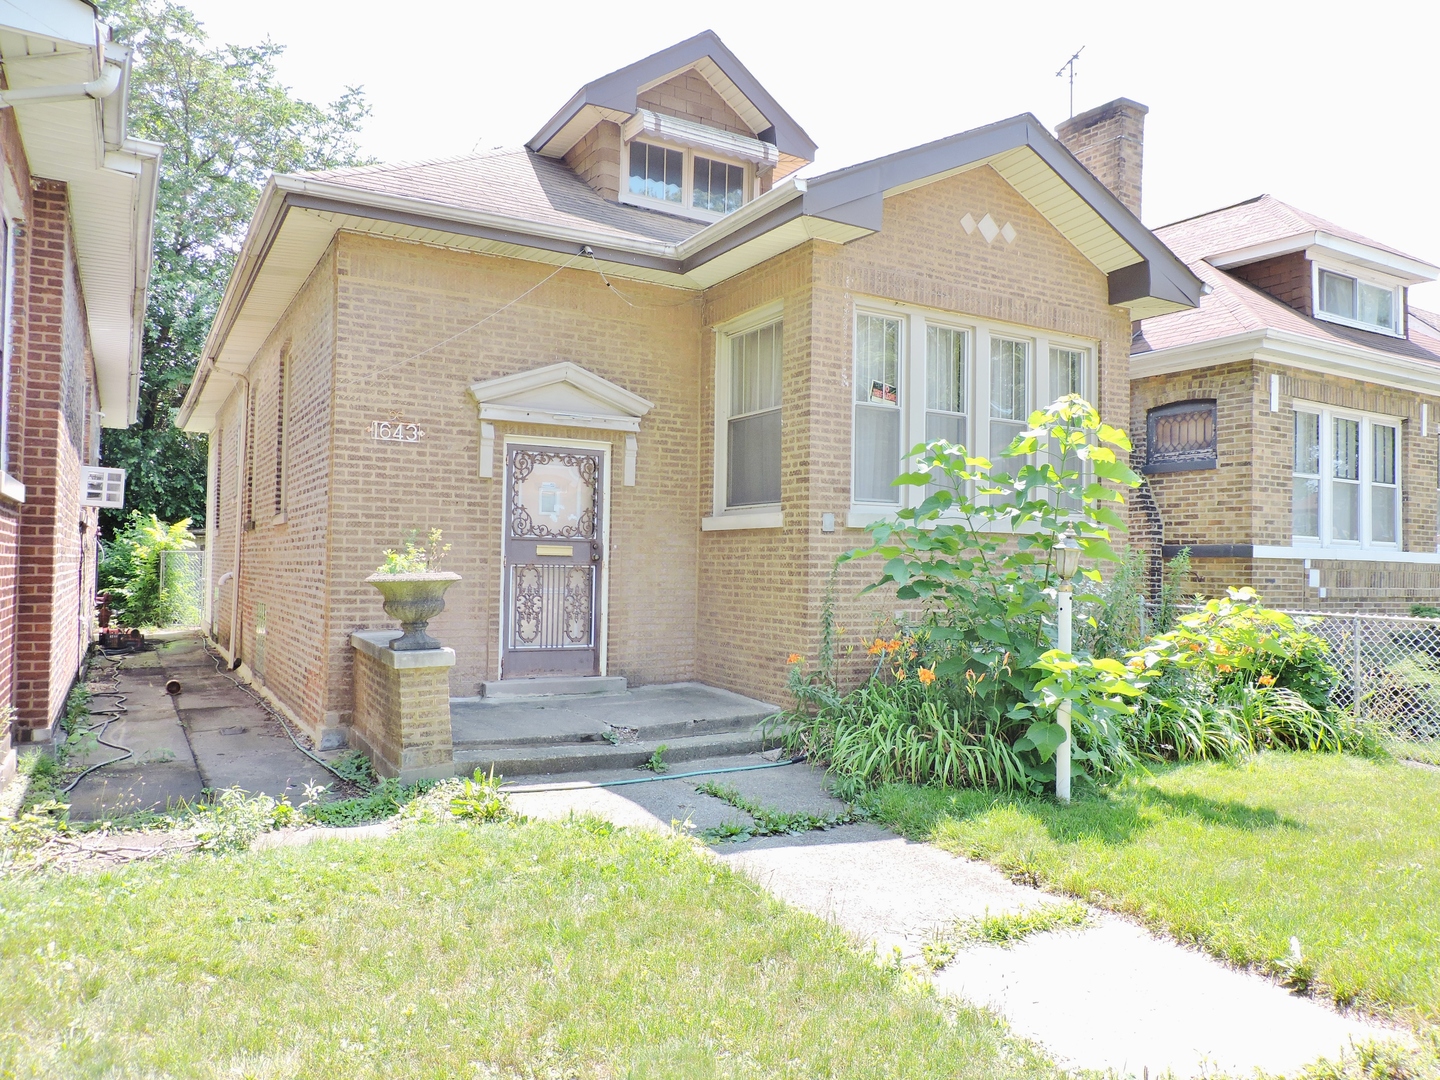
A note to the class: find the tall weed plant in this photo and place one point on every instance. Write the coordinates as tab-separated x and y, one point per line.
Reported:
130	571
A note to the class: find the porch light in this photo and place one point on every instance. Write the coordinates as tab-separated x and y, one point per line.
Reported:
1067	556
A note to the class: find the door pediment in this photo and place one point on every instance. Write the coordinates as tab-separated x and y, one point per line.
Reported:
562	395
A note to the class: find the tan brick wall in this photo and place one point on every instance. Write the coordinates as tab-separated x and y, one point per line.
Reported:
596	158
689	96
1248	498
396	300
284	565
760	586
402	717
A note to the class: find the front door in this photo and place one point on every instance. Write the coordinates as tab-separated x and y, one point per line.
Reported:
554	544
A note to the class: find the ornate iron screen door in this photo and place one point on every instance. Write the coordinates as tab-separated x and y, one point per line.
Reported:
553	550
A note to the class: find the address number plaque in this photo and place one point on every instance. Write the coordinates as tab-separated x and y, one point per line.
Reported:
395	431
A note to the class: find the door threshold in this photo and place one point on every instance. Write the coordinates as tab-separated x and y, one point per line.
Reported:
552	686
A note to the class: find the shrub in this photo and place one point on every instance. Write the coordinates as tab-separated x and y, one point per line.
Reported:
130	571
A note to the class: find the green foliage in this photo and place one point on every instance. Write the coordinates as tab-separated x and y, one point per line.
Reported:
235	818
657	762
1006	929
355	768
130	572
226	123
481	800
386	800
413	556
1425	611
961	698
766	820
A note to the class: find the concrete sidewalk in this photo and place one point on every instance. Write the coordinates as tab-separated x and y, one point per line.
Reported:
211	735
1112	996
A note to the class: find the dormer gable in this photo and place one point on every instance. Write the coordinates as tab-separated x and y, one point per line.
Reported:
688	131
1318	268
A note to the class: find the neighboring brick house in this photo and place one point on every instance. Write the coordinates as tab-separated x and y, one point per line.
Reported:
647	381
77	199
1289	424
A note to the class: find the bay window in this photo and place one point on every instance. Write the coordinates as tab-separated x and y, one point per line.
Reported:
921	376
1346	481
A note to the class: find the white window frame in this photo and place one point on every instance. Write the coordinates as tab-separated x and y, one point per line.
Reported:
1375	281
10	487
1368	421
722	516
684	207
912	375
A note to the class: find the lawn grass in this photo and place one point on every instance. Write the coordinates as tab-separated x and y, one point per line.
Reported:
1338	852
530	950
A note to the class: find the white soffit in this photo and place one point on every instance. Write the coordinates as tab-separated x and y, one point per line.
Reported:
109	190
1071	215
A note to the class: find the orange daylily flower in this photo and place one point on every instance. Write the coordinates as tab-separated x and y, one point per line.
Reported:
892	645
927	675
876	647
899	674
1267	679
795	658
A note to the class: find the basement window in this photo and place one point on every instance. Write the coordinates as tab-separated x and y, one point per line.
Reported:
1180	437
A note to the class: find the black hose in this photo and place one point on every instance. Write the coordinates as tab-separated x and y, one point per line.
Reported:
111	715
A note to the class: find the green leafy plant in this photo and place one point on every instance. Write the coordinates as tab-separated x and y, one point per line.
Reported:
767	821
481	800
355	768
385	800
414	556
1006	929
657	762
130	572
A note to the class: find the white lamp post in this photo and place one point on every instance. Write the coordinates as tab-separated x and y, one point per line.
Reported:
1067	562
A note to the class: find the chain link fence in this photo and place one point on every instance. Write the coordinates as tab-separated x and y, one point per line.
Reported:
1389	673
182	585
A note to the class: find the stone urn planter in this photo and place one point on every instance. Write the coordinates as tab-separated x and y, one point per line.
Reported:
414	599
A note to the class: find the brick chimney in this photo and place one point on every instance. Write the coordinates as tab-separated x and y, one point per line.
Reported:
1109	140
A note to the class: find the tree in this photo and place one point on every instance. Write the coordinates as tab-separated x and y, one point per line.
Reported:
226	124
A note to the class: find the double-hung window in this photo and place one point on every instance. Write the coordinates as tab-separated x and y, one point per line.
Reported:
748	423
1346	479
921	376
1354	301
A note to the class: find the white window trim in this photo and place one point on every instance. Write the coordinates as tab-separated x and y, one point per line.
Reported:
741	517
1367	449
977	394
687	181
1375	281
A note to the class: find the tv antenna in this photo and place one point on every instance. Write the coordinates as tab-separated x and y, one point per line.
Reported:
1071	65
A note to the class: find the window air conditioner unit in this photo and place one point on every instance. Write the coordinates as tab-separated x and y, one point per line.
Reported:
104	487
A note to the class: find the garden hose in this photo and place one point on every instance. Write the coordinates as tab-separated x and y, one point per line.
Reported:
111	715
280	719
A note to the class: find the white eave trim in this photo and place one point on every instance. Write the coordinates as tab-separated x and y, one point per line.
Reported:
743	519
1294	350
716	141
1413	270
1344	554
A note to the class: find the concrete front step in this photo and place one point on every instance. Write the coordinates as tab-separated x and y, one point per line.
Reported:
539	734
551	686
511	761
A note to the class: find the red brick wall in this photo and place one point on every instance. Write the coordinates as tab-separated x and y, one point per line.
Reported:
56	534
1285	277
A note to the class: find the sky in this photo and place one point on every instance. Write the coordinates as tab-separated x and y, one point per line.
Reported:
1319	104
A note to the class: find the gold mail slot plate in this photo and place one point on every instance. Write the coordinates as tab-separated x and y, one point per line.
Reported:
568	550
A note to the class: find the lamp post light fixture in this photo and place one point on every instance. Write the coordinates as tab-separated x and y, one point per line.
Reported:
1067	562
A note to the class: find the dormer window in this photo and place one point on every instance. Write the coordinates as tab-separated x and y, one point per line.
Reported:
686	182
1356	302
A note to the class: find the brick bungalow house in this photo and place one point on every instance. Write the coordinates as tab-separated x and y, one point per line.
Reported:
77	198
647	381
1289	423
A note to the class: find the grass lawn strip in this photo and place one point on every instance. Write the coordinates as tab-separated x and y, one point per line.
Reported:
768	821
1005	929
1340	853
535	949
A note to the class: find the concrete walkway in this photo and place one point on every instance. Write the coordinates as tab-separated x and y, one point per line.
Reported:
211	735
1109	997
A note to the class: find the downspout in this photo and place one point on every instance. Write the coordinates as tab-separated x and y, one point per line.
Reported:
95	89
240	460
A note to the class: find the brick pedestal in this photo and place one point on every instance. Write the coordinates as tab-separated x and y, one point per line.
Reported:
402	707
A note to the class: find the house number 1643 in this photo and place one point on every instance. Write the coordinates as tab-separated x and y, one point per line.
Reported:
395	431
